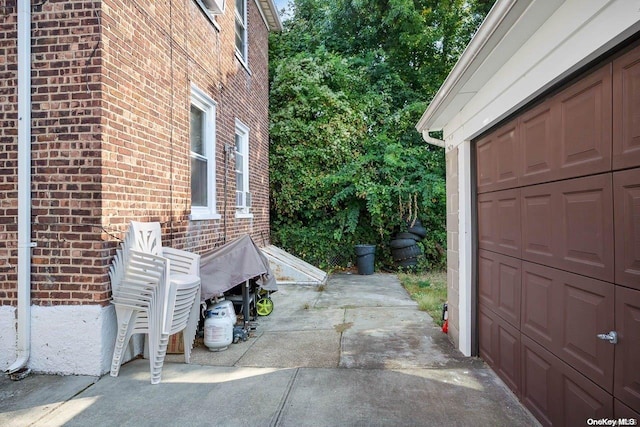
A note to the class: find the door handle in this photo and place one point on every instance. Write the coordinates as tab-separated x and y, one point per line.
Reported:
612	337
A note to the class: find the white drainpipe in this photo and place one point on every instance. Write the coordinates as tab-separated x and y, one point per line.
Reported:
431	140
24	187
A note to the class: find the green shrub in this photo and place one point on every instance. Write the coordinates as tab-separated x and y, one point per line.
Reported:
348	83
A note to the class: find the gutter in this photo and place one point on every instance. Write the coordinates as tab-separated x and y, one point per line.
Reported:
24	191
486	30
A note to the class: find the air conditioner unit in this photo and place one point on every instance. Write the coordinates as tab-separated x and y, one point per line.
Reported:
215	7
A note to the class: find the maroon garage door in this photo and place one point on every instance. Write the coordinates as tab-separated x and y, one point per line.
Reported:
559	248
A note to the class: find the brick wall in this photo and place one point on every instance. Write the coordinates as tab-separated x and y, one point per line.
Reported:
453	251
68	260
111	95
152	55
8	153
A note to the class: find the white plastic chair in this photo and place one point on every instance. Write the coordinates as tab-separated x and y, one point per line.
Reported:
156	291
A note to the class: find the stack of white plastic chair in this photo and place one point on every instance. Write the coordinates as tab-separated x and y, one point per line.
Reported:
156	291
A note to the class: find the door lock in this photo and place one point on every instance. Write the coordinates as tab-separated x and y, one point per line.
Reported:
612	337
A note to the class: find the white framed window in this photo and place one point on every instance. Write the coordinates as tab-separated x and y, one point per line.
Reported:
202	135
211	9
241	30
241	153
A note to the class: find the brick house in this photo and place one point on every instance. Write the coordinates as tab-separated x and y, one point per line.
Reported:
154	111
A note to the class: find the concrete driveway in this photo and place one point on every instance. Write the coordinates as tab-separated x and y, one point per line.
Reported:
356	353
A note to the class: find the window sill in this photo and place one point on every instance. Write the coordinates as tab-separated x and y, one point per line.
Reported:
244	215
197	216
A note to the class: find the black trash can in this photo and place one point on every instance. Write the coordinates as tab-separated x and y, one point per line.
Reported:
366	255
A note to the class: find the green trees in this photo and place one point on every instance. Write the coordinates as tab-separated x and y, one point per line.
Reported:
349	80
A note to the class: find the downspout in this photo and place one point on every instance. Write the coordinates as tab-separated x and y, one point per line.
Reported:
24	189
227	157
431	140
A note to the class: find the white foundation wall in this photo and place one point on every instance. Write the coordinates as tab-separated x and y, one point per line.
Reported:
7	336
65	340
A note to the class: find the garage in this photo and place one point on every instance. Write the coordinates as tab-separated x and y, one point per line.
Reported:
558	246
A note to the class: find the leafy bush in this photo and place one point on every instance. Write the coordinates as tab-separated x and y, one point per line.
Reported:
334	181
349	81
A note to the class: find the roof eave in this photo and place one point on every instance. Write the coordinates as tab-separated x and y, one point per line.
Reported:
270	13
474	54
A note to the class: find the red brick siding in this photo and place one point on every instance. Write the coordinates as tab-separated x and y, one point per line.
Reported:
8	151
111	95
68	262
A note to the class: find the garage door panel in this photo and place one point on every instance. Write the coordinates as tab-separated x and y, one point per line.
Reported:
564	312
585	237
563	396
487	287
498	159
620	410
508	367
486	169
537	224
538	304
509	290
583	219
508	222
627	227
537	146
487	236
499	222
507	154
538	381
569	225
627	368
585	125
487	333
500	347
587	308
626	110
499	284
582	399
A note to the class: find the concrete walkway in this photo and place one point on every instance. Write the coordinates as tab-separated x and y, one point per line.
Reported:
357	353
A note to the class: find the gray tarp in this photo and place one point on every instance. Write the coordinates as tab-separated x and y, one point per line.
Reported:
232	264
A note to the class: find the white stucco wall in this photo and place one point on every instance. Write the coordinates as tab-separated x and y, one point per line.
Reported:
65	340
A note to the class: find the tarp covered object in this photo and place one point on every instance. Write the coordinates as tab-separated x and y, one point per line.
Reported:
232	264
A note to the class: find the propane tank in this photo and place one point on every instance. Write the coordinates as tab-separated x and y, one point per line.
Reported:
227	306
218	329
